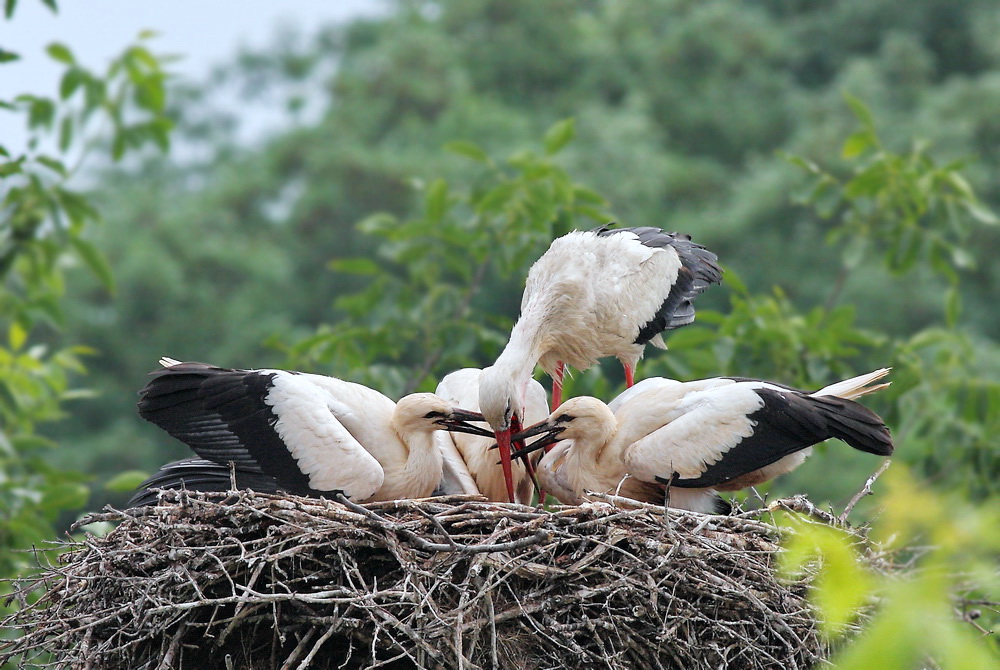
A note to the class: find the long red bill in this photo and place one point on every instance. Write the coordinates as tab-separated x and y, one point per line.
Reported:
503	444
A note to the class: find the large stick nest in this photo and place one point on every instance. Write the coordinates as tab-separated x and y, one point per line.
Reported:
259	581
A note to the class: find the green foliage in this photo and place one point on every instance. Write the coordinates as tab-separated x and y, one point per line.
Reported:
430	271
919	212
10	5
923	215
46	226
915	619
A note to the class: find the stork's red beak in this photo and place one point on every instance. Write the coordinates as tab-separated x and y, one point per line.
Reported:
503	444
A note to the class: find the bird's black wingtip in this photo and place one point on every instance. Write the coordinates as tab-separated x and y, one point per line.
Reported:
722	506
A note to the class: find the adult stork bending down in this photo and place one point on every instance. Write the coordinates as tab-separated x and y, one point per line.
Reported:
313	434
603	292
699	437
461	388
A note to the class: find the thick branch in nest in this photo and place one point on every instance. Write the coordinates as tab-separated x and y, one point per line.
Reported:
256	581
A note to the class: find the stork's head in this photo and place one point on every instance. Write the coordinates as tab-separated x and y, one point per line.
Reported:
426	412
498	398
586	420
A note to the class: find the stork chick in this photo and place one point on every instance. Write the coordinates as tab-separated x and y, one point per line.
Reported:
699	437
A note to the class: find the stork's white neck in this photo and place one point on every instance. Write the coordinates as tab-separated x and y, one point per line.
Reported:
519	357
417	474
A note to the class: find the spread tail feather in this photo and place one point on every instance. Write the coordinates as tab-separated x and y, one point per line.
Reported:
855	387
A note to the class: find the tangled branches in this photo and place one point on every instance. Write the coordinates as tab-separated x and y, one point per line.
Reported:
257	581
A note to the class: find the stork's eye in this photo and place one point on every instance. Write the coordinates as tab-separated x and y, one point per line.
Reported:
564	418
433	414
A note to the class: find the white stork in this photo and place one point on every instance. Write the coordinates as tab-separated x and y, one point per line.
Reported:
313	434
461	389
597	293
698	437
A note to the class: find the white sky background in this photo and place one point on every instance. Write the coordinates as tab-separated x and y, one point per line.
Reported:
204	32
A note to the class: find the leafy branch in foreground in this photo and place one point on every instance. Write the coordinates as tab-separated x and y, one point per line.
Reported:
927	604
44	228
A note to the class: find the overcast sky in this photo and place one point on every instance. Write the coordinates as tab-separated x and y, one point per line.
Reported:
204	32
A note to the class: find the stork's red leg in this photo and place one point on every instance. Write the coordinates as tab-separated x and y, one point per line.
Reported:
557	380
629	376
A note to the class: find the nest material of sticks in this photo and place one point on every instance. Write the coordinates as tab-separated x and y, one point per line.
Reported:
258	581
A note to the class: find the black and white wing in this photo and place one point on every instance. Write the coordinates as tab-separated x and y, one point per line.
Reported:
729	431
699	269
275	422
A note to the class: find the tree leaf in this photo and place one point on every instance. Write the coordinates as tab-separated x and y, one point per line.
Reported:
469	150
61	53
65	133
856	144
952	306
355	266
804	163
980	213
7	168
71	81
128	480
41	112
94	260
868	182
8	56
861	112
8	8
17	335
496	198
436	201
52	164
559	135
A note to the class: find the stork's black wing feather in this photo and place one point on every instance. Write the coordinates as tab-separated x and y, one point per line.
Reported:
789	422
699	270
198	474
222	415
